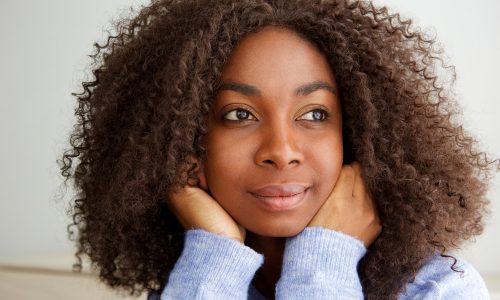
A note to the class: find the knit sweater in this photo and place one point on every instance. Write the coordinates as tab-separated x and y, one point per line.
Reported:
318	263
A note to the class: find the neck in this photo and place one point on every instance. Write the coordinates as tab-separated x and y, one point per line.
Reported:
268	275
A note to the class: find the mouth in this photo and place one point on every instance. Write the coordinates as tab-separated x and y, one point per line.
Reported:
277	198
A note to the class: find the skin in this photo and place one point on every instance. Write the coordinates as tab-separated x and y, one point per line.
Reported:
280	141
276	136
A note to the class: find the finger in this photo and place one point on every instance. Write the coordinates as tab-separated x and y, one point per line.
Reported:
176	205
184	194
194	199
185	202
359	187
344	184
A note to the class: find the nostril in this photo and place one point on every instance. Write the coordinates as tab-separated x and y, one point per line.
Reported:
269	161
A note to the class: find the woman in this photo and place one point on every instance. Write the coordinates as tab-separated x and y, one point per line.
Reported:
232	97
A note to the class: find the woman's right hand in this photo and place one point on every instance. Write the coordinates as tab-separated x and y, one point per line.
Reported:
196	209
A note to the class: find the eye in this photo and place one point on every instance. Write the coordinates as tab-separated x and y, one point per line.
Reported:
316	115
238	114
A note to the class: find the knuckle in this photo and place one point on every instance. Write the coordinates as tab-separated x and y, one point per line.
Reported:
356	166
348	171
348	168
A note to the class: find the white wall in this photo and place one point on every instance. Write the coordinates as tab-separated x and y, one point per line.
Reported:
43	56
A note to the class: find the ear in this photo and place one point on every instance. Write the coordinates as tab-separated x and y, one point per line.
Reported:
200	172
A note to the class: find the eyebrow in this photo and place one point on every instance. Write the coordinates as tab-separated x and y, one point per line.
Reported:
302	90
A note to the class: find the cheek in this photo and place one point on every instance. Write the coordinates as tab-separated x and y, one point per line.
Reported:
326	158
225	165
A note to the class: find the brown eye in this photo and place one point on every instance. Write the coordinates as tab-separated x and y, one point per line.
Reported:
316	115
238	114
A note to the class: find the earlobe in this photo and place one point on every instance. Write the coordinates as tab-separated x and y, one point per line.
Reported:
201	175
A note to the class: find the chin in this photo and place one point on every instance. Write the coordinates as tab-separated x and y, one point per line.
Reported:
277	230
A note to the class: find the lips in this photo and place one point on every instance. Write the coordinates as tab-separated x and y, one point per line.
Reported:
282	197
281	190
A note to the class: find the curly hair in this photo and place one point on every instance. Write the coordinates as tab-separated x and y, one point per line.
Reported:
143	116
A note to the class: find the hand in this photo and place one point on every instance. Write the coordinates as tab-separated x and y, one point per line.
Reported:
350	209
195	208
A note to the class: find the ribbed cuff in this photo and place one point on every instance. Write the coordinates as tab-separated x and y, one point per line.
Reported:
320	250
220	263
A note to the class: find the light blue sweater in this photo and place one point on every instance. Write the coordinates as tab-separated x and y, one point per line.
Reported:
318	264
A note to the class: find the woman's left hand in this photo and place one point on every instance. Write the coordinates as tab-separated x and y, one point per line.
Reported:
350	209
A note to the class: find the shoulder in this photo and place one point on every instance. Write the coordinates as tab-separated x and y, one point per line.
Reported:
444	278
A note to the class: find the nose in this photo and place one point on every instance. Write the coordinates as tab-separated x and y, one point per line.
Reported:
279	147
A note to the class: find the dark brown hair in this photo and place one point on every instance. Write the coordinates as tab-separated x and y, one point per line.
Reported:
144	113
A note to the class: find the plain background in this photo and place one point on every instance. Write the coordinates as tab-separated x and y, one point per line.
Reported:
43	58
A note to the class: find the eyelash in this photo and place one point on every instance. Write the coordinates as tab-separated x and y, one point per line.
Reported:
325	114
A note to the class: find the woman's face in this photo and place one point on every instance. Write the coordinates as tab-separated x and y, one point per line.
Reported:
274	141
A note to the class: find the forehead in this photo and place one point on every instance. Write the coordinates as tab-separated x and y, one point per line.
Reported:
275	57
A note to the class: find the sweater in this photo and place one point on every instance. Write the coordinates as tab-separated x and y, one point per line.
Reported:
318	263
